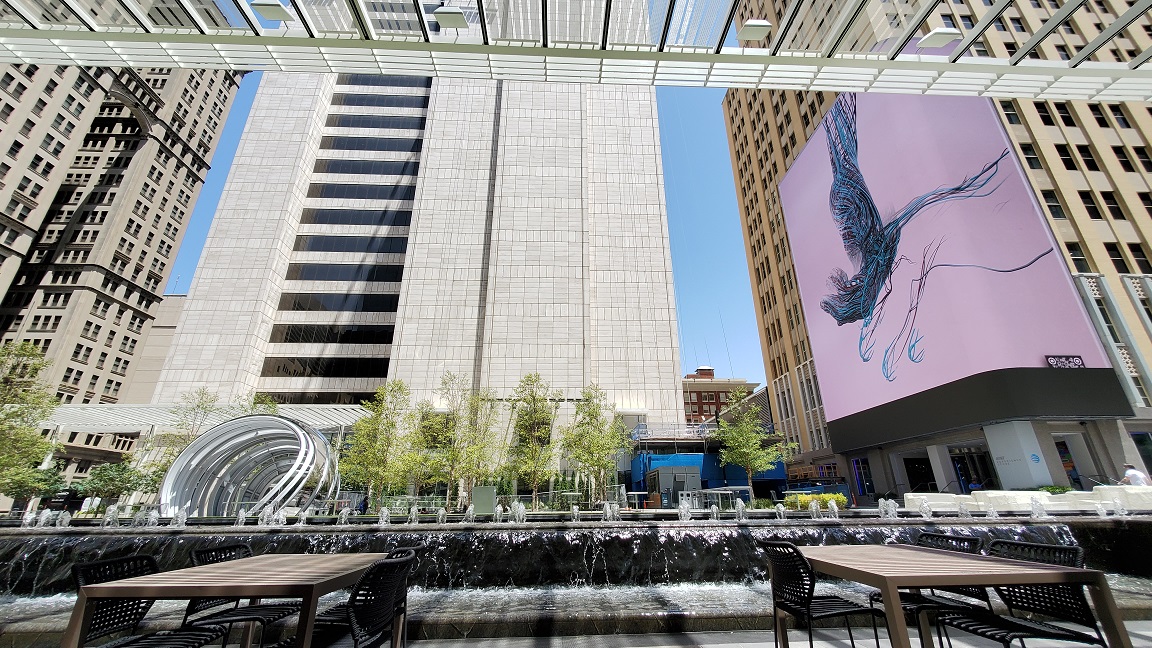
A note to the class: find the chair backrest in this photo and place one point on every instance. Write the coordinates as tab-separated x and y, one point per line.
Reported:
211	556
223	553
1063	602
793	579
964	544
109	615
372	605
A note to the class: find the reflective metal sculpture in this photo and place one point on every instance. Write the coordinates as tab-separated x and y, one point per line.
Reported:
252	461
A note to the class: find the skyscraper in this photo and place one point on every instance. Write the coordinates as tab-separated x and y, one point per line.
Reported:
379	227
101	170
1085	164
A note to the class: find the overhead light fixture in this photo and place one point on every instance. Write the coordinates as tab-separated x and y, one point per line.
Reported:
272	10
450	17
754	30
939	37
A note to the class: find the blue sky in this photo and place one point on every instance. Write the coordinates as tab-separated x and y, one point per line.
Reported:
713	295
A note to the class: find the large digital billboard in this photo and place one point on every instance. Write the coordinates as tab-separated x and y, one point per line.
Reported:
921	253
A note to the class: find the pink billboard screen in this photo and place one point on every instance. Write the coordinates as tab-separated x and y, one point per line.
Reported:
921	253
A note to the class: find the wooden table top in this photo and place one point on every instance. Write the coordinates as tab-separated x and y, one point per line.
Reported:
910	566
268	575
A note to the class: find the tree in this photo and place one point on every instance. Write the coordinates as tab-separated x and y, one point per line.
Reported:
371	456
27	482
533	406
594	439
744	440
111	480
457	437
25	402
256	403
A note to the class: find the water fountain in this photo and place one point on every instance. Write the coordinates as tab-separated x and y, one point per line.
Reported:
1101	510
781	512
1037	510
519	514
741	511
925	510
469	515
611	512
963	512
414	515
29	520
63	520
46	518
267	516
343	515
281	518
153	519
179	518
241	517
575	513
140	519
441	516
1119	507
991	513
498	515
713	512
833	510
684	511
111	517
814	509
893	510
615	508
385	516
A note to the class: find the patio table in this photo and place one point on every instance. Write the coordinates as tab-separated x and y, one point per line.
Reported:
890	567
304	576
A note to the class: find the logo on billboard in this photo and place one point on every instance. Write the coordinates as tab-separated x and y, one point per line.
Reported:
1064	362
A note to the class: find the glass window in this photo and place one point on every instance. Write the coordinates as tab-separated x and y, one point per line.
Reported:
1079	261
1066	158
381	101
1010	113
368	167
384	80
362	192
1113	205
1052	202
344	272
1098	114
1142	155
1140	257
399	218
1090	205
1117	257
365	244
1085	152
1121	118
375	121
332	334
1045	114
1122	157
335	302
372	144
1065	113
1030	156
325	367
320	398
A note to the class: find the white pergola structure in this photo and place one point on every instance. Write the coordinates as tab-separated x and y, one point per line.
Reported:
835	45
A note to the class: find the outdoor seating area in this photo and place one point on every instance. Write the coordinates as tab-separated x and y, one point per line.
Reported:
1114	499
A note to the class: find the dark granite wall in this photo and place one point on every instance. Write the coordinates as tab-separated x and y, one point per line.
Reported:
33	562
1117	545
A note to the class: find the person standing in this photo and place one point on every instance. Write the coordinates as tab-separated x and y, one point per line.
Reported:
1133	477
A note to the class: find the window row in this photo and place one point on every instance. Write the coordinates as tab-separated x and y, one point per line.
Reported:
368	167
362	192
325	368
394	81
397	217
320	398
375	121
339	302
344	272
340	143
362	244
1139	256
332	334
381	101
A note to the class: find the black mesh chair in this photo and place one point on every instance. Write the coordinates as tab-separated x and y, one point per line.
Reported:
111	616
1065	603
793	591
369	618
199	611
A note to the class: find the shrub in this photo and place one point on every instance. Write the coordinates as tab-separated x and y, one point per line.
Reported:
803	501
1055	490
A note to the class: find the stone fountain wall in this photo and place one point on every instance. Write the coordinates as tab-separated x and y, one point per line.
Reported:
38	562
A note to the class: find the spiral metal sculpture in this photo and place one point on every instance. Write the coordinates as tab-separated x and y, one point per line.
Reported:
260	460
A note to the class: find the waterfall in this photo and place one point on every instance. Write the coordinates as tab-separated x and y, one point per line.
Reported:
441	516
343	515
241	517
1119	508
469	514
741	512
111	517
140	519
281	518
1101	510
684	511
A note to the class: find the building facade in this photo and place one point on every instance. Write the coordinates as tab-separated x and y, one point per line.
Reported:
379	227
101	170
705	395
1089	167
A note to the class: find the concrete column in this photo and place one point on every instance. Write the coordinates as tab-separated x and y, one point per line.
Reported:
942	470
1017	455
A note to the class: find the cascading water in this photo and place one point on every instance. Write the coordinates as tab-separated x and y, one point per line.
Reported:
498	515
833	510
781	512
684	512
29	520
153	518
267	516
991	513
63	520
814	509
111	517
1101	510
139	520
414	515
469	515
713	512
741	512
575	513
441	516
241	517
1038	512
179	518
1120	509
385	516
519	513
46	518
925	510
281	518
343	515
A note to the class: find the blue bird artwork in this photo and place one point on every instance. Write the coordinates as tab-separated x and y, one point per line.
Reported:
872	242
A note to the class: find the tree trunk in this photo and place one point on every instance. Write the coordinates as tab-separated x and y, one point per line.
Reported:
751	497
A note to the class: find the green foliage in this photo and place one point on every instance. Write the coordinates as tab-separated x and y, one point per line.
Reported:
256	403
24	403
1055	490
803	501
459	436
372	455
26	482
532	452
112	480
743	439
594	439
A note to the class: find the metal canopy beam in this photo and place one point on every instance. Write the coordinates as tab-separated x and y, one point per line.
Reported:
789	21
847	18
727	25
1135	11
1053	23
667	24
913	27
483	21
420	19
977	32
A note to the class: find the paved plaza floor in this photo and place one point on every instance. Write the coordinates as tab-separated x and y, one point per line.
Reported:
1140	631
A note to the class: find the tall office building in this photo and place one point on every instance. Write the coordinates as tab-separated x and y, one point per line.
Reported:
1088	164
379	227
101	170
